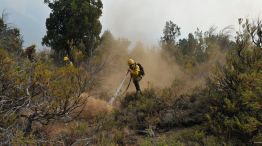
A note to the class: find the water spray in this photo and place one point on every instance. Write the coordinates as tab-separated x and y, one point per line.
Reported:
112	99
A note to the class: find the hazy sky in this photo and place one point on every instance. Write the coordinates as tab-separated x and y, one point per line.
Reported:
138	19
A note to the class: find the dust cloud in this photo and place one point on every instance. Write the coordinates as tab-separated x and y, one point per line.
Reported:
160	69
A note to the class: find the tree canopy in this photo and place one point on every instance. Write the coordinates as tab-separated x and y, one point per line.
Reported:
73	23
170	34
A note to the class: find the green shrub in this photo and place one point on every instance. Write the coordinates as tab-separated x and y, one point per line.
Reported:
139	111
20	140
235	91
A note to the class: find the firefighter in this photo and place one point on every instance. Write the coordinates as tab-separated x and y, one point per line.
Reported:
137	72
67	61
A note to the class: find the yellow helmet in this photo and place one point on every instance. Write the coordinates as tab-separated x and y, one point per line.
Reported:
66	58
130	61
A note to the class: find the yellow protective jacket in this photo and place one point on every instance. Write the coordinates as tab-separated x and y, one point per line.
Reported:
69	63
135	72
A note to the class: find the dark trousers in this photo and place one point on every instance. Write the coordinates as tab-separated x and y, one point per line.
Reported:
136	82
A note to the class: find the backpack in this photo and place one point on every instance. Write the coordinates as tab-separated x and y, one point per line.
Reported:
142	72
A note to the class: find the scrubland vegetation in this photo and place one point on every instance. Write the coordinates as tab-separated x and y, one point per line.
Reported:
204	89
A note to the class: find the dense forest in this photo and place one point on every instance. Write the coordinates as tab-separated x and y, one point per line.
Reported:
203	89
